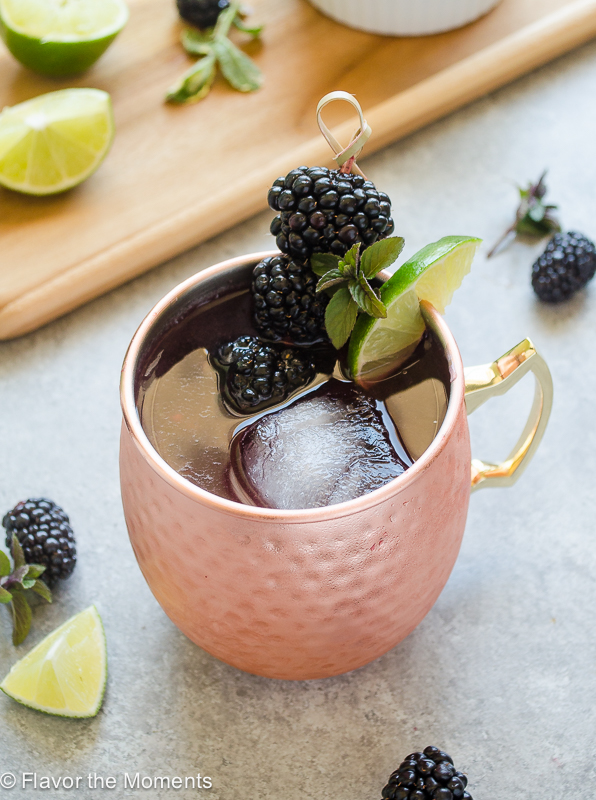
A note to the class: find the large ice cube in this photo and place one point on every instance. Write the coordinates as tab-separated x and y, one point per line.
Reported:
326	447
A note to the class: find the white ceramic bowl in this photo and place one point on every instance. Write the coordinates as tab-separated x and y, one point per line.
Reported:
405	17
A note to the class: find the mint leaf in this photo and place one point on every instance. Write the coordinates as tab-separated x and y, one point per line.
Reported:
225	20
16	550
320	263
240	72
340	317
351	261
254	32
329	279
21	618
532	218
367	299
35	570
196	43
381	255
18	574
5	595
39	587
536	213
195	83
4	565
538	222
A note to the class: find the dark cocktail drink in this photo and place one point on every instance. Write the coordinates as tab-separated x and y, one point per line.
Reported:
324	441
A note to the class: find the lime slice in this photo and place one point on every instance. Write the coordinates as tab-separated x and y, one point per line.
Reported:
66	673
378	346
60	37
55	141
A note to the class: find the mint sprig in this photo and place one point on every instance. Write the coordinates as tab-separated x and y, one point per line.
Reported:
13	585
347	281
216	50
533	218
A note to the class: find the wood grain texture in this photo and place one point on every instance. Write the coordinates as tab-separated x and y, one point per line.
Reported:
179	175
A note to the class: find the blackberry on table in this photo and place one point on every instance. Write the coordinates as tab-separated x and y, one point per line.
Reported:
258	373
286	305
201	13
429	775
44	532
565	267
326	211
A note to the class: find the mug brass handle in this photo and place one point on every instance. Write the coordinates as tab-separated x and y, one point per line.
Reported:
488	380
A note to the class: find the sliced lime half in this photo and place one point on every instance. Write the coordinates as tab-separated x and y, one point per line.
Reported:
66	673
60	37
55	141
378	346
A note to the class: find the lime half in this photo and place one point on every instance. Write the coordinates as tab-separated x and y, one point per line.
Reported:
66	673
60	37
378	346
55	141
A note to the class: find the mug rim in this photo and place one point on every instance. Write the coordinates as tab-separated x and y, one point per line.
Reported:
233	508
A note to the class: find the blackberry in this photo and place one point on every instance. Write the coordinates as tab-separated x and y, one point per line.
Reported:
201	13
426	775
46	537
327	211
259	373
565	267
285	301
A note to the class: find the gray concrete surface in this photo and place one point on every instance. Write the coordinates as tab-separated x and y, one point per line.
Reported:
501	673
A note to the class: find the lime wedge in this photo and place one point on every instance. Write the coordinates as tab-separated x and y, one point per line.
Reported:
60	37
55	141
378	346
66	673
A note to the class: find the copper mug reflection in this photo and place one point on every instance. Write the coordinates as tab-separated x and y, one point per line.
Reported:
311	593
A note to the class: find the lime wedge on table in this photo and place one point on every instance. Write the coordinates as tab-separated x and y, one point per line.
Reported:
433	274
66	673
55	141
60	37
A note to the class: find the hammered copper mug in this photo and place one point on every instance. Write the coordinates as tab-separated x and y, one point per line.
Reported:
310	593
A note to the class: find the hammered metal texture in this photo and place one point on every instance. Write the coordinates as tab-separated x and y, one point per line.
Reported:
302	599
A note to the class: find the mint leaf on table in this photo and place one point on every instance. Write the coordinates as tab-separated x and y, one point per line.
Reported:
13	587
40	588
196	43
16	550
533	218
216	49
195	83
347	280
35	570
237	68
21	618
255	32
4	565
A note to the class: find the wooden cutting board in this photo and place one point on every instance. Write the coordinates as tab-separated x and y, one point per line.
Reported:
179	175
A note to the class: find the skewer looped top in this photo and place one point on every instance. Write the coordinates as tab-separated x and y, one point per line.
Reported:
348	155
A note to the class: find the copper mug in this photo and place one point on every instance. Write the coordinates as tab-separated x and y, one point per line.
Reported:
311	593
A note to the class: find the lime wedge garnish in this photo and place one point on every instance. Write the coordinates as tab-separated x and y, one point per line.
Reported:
55	141
433	274
66	673
60	37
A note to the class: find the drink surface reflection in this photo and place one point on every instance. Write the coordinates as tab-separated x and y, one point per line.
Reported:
328	442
